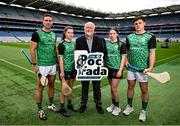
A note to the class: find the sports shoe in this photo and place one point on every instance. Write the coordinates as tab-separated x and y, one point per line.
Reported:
128	110
100	109
42	115
71	107
82	109
64	113
52	108
110	108
142	116
116	111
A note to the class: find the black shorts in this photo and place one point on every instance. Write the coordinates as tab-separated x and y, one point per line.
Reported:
69	75
112	73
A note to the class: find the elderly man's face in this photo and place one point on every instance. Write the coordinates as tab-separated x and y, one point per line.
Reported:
89	30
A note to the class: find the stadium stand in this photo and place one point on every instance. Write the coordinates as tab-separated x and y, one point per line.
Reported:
18	22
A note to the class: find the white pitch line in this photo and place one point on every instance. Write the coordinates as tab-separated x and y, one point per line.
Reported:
77	86
167	58
20	67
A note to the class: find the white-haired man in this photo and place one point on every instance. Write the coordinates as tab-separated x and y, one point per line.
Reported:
91	43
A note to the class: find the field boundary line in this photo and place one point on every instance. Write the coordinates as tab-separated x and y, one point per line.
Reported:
17	66
167	58
57	81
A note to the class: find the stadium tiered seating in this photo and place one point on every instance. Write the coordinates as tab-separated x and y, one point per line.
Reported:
21	22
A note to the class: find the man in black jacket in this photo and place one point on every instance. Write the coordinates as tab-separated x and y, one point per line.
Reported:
91	43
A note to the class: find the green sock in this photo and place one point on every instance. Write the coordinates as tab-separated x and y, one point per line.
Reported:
144	105
61	105
113	101
116	103
51	101
130	100
69	102
39	105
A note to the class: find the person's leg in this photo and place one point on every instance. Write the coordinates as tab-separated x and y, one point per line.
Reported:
143	82
130	91
113	98
39	92
97	92
144	94
51	80
115	93
114	86
62	109
131	79
70	104
144	98
84	93
97	96
84	96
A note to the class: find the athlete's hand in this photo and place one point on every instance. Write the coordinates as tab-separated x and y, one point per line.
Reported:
35	69
61	75
119	73
147	70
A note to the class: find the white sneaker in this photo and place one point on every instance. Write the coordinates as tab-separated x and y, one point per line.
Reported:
52	108
110	108
116	111
128	110
142	116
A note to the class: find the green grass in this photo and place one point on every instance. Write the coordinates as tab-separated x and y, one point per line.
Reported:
17	94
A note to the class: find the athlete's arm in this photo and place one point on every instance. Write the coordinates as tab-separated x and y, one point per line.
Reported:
152	54
123	60
127	49
33	46
61	63
61	49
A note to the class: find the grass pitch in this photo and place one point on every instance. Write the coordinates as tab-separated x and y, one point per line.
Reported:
18	85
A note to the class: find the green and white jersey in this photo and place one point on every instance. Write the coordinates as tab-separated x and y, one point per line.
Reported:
46	55
115	51
66	49
139	46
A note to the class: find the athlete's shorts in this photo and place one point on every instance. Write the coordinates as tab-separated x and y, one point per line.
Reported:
141	77
69	74
47	70
112	73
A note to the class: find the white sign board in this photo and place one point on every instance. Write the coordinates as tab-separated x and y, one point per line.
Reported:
89	66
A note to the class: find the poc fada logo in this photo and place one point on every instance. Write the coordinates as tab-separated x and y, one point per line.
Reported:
89	65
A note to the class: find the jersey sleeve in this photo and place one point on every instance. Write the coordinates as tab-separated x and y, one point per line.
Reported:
35	37
61	49
123	49
127	44
152	43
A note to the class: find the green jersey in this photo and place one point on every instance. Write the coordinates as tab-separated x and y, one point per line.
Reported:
115	51
46	55
139	46
66	49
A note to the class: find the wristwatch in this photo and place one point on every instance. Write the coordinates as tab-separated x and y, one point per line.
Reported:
34	64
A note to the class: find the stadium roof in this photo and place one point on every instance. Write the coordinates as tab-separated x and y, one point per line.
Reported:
59	7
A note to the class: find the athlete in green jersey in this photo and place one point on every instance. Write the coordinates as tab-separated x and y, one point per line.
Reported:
43	45
141	54
67	67
116	57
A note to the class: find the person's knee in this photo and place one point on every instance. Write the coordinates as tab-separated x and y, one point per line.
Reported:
51	85
114	89
130	87
39	89
144	91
